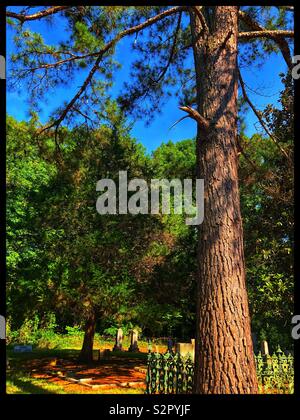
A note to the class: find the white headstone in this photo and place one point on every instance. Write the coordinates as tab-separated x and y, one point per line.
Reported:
186	348
264	348
119	340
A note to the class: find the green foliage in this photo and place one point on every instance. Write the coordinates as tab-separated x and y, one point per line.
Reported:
73	331
35	331
28	174
28	331
268	215
112	331
86	260
175	160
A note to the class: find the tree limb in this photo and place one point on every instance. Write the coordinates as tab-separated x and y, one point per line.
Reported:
201	18
172	51
267	34
278	39
203	122
23	18
101	53
178	121
82	113
263	124
60	62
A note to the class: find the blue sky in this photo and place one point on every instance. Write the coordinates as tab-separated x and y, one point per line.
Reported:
264	80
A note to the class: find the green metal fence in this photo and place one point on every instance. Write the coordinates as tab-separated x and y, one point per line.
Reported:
171	373
275	372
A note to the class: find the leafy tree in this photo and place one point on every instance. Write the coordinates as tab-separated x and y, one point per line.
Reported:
91	255
173	256
28	175
61	253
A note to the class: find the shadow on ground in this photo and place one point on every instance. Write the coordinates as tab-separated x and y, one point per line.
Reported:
59	367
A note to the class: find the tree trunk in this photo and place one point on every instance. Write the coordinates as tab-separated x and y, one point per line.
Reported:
86	353
224	362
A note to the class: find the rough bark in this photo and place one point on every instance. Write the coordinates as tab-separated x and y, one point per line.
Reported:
86	353
224	351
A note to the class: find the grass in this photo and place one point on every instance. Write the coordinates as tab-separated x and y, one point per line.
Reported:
74	342
21	383
21	376
28	373
17	359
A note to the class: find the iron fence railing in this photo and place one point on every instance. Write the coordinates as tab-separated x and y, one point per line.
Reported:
171	373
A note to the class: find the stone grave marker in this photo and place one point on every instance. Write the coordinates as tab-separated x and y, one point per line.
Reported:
119	340
23	349
134	341
170	345
264	348
186	348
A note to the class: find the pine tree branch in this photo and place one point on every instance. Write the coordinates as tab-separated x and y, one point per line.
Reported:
257	170
278	39
201	17
247	158
178	121
23	18
104	50
203	122
82	114
266	34
172	51
60	62
262	123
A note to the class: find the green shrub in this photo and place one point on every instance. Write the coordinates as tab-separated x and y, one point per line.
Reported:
74	331
111	331
48	339
27	333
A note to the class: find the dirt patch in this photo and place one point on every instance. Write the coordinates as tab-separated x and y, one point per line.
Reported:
112	374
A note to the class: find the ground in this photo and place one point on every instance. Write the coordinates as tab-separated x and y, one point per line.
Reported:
57	371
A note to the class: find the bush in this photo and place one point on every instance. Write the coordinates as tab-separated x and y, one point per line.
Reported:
48	339
27	333
74	331
126	327
35	332
111	331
